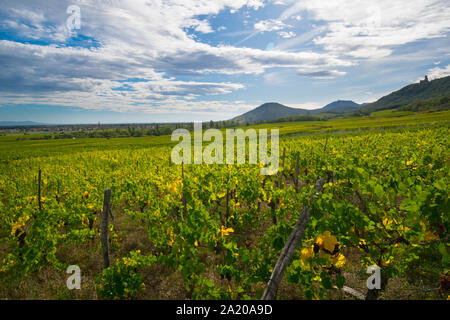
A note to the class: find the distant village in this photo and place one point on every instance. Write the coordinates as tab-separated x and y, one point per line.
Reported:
32	132
34	129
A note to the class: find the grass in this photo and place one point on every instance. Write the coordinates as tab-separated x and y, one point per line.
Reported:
390	113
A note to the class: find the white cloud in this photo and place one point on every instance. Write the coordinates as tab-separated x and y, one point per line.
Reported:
367	29
87	78
307	105
149	40
201	26
287	34
300	39
437	72
136	39
270	25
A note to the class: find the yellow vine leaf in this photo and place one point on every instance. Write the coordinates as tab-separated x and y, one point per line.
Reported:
326	241
225	231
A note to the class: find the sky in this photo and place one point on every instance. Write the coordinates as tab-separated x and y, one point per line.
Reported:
122	61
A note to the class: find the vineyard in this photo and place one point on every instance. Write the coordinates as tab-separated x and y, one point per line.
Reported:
217	231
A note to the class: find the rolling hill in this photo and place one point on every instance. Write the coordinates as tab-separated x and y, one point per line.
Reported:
340	106
411	94
271	111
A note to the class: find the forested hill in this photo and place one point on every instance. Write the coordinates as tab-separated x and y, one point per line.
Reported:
425	90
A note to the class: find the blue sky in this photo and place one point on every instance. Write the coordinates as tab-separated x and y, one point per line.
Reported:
192	60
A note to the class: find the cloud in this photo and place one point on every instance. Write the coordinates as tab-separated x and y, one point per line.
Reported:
320	74
300	39
160	43
30	24
218	109
287	35
367	29
437	72
270	25
153	40
201	26
307	105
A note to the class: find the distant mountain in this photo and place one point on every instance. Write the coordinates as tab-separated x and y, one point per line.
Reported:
19	123
340	106
269	111
411	94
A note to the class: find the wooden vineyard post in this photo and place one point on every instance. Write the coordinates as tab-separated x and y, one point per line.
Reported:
282	165
352	292
273	204
104	227
227	212
39	190
297	171
183	198
289	248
